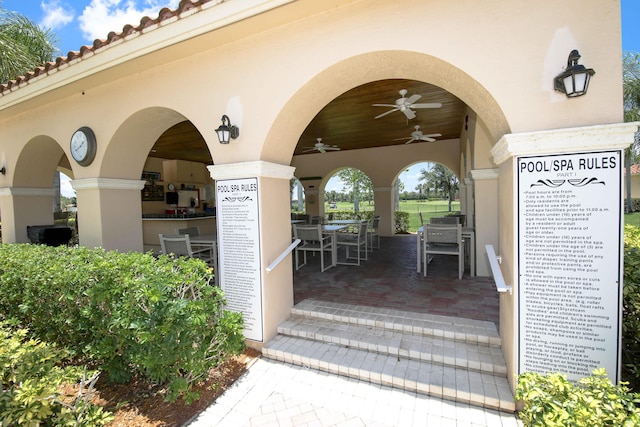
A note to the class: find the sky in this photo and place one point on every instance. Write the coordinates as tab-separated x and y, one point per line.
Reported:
79	22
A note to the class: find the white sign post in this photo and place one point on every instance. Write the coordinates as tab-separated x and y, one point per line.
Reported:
570	282
239	251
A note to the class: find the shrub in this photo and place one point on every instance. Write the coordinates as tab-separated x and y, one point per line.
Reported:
631	307
133	314
551	400
401	222
31	381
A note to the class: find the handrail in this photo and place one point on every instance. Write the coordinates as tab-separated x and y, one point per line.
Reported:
494	262
286	252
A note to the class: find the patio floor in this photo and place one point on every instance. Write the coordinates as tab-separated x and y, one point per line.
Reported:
389	279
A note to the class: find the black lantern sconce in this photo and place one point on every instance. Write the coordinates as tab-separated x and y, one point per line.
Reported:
3	171
227	131
574	81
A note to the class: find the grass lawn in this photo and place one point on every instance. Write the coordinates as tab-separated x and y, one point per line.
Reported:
435	208
413	207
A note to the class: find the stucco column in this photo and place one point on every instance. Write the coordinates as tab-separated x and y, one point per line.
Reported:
383	202
469	202
274	237
21	207
486	220
109	213
313	202
505	154
462	191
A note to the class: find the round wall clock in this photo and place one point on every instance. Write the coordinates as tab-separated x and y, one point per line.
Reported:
83	146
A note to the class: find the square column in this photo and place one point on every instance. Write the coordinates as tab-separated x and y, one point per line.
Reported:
254	229
560	244
22	207
109	213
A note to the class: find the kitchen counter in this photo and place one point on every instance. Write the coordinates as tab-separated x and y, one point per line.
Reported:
179	216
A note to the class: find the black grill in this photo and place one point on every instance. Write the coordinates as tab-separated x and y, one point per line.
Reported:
50	235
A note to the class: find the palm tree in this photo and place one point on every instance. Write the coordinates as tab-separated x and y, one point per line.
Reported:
24	45
631	91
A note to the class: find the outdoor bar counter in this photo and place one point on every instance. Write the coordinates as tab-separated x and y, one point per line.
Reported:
154	224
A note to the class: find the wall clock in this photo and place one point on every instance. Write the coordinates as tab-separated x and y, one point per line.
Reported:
83	146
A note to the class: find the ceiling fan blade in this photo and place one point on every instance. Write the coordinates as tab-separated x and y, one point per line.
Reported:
411	140
384	114
433	135
413	98
321	149
404	139
308	150
409	113
427	105
428	139
384	105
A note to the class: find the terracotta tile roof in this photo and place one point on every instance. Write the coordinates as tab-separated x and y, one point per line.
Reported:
635	169
146	22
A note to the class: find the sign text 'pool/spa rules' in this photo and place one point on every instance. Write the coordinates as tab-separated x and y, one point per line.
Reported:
239	251
569	259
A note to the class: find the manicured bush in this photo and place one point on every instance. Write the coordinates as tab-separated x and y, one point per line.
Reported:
552	401
401	222
133	314
31	384
631	307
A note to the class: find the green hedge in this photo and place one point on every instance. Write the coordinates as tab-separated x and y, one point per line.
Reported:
133	314
552	401
31	384
401	222
631	307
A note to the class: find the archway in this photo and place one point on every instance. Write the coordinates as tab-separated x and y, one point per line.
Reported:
384	160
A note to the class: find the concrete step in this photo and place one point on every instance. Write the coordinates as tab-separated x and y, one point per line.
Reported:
453	358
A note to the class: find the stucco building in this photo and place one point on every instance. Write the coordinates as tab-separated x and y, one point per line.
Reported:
272	66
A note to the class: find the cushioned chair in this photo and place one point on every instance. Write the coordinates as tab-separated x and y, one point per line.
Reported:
443	239
312	240
357	240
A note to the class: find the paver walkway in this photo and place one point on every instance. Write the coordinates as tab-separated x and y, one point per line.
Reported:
276	394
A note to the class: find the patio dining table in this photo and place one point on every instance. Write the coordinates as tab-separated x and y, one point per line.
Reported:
332	230
468	233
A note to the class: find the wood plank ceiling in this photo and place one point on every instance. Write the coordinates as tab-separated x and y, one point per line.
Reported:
347	121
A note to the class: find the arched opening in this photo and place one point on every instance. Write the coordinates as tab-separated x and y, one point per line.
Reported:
380	141
426	190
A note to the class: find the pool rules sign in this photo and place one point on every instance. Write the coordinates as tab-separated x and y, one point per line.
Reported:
570	263
239	251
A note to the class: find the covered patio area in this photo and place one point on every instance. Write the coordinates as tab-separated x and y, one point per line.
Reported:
389	279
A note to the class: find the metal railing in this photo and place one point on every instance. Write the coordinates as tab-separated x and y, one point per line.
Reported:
496	272
286	252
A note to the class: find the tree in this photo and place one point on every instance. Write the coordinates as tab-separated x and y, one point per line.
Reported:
24	45
356	181
631	91
441	179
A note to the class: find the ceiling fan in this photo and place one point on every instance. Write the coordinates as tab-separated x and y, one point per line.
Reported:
417	135
321	147
406	105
